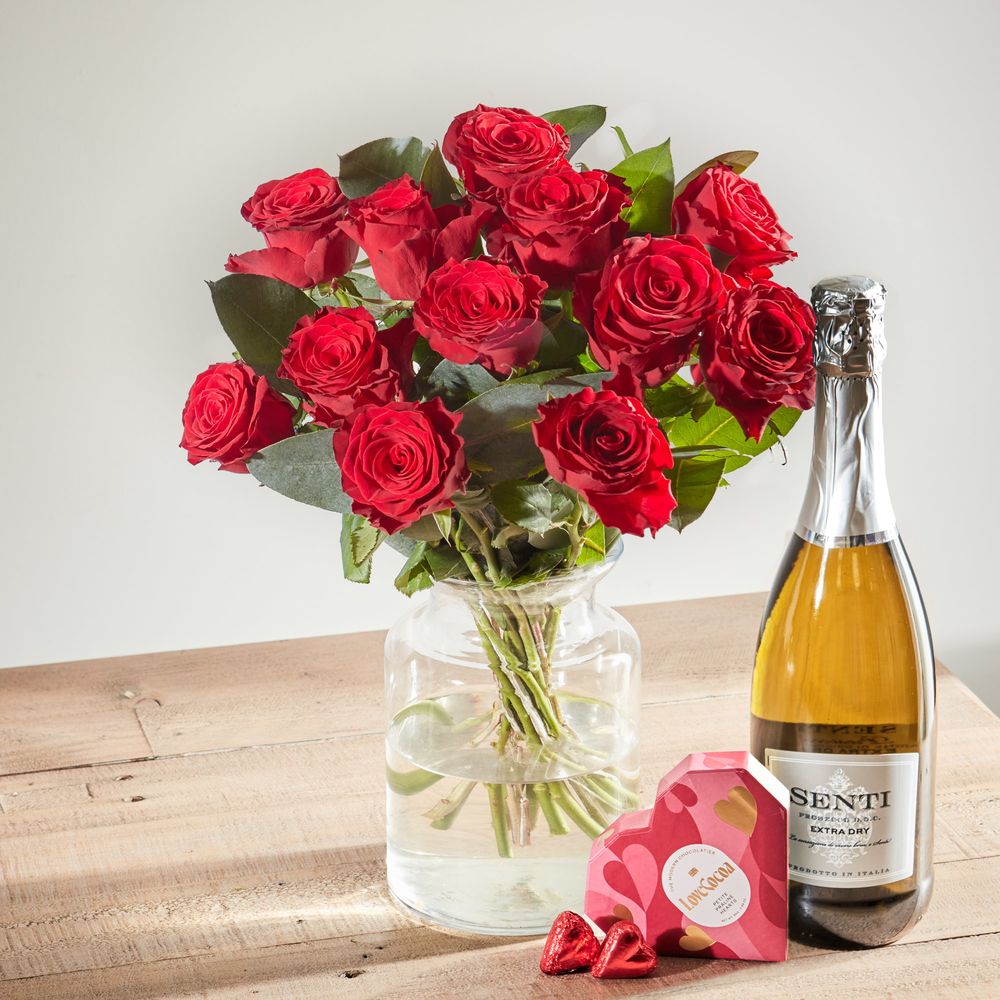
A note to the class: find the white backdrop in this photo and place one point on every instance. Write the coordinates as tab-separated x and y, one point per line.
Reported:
132	131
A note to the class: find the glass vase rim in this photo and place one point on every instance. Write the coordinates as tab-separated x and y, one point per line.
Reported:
578	578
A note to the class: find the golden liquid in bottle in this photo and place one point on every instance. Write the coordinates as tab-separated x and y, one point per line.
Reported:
844	666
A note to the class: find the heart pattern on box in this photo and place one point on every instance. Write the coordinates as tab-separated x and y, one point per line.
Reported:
738	809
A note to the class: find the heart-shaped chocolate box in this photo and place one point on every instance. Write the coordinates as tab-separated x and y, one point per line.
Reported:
704	872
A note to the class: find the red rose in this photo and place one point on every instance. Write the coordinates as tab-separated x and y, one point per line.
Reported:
757	354
610	450
340	360
406	238
730	214
645	310
400	461
495	147
481	311
230	414
298	216
559	224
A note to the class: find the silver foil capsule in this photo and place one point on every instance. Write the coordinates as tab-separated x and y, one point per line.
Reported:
850	329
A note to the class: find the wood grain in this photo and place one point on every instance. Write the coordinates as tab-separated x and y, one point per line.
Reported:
210	824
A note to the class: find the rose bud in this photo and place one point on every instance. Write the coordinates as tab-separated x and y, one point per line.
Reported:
757	354
557	225
298	216
230	414
729	213
341	360
610	450
481	311
646	308
406	238
400	461
493	148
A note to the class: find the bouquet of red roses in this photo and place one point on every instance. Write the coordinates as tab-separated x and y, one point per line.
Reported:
532	357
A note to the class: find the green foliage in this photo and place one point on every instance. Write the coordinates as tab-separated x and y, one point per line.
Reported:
594	547
533	506
496	424
368	167
358	541
455	384
258	314
437	179
304	469
650	177
626	148
694	482
579	123
738	159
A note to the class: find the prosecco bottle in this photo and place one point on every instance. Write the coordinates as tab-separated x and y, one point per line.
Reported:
843	695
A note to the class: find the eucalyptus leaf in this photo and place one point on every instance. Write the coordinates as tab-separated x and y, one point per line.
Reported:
496	425
437	179
650	177
738	159
579	123
258	314
456	384
304	469
367	168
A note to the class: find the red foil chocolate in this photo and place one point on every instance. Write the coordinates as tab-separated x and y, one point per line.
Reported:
704	872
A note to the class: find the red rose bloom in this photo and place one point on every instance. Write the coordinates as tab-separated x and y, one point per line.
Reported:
493	148
230	414
729	213
559	224
610	450
400	461
340	360
406	238
481	311
757	354
645	310
298	216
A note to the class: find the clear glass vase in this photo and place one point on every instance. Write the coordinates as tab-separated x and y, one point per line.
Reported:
512	741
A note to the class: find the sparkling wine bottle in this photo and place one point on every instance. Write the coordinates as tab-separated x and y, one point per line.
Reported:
843	696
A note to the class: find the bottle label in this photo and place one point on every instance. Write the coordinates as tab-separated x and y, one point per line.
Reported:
851	818
702	881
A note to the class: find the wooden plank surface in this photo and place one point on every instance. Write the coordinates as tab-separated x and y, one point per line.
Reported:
210	824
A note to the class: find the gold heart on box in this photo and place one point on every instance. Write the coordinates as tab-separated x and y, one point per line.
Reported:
738	809
621	912
695	939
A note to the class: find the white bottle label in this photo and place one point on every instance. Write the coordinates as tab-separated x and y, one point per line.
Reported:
851	818
704	882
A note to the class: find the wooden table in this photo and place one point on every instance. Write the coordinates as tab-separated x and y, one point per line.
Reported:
209	823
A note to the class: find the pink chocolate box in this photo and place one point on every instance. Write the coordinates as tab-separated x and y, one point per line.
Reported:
704	872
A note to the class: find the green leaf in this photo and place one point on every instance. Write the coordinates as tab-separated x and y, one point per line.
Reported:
442	519
444	562
303	468
410	782
719	428
258	314
579	123
437	179
531	505
358	541
496	425
738	159
650	177
594	546
626	148
694	482
562	344
368	167
414	576
674	398
456	384
541	565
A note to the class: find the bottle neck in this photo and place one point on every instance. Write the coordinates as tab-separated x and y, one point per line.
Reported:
847	500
